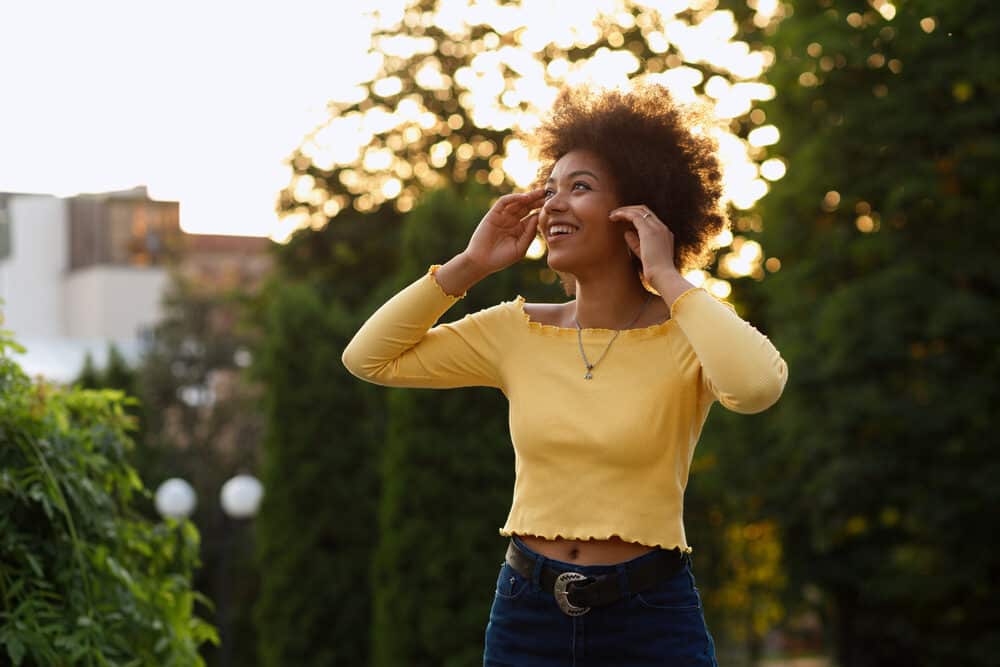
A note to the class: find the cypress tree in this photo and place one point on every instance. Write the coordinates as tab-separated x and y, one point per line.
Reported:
89	377
886	299
446	470
315	530
118	374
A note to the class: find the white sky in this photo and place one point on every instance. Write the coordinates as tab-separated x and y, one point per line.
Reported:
199	100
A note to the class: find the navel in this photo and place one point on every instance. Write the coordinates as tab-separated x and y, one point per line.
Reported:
574	553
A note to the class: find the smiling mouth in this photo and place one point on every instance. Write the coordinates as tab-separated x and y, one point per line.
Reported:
560	230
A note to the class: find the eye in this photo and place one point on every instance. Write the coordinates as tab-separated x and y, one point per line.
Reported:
549	192
581	184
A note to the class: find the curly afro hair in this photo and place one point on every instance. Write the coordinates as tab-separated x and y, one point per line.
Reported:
646	140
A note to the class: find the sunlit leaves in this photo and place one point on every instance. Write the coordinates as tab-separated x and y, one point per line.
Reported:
457	84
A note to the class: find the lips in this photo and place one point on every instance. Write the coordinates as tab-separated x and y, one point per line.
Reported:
560	230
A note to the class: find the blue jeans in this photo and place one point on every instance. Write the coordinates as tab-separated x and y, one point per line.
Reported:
663	625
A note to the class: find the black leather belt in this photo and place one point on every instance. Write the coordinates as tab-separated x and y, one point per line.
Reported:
576	593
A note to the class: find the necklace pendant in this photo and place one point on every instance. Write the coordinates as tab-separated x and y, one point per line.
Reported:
588	376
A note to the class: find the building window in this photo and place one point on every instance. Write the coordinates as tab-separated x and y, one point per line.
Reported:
123	231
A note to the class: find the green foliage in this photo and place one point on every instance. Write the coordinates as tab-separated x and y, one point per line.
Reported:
202	422
446	471
84	579
316	527
118	374
885	309
199	421
738	554
467	82
90	377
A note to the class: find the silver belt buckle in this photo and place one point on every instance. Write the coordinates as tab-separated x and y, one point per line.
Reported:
562	596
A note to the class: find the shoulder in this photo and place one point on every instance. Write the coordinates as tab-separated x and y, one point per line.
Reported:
554	314
505	313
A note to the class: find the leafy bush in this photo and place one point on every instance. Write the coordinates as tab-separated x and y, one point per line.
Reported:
84	578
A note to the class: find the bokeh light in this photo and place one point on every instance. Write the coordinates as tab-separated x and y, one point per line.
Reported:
512	60
461	106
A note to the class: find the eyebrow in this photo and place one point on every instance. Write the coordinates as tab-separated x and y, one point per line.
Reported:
578	172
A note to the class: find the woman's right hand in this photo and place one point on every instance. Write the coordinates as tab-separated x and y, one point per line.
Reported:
505	232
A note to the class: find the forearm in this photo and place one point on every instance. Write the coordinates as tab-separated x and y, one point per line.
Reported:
394	328
400	346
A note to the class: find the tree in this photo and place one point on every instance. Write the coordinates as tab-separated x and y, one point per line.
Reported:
118	374
90	377
886	306
738	552
446	471
84	578
453	92
316	528
201	423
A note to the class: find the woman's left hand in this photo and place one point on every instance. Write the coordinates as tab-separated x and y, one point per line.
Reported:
650	240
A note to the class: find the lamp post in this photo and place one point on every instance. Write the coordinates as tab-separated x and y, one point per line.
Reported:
240	499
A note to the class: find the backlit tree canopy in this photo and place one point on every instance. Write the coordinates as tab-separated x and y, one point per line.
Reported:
457	86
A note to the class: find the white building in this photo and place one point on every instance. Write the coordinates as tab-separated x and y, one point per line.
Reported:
77	274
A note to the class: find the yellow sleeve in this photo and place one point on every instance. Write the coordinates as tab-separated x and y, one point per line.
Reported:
741	368
398	347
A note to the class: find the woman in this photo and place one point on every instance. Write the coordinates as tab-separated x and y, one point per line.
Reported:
608	392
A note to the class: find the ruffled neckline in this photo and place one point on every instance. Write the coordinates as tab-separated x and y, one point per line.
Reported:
554	330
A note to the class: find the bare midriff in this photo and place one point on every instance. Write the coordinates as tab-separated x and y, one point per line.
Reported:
586	552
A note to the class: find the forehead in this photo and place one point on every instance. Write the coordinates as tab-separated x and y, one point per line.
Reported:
579	160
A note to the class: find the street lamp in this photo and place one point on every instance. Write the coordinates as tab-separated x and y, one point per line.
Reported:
175	499
240	496
240	499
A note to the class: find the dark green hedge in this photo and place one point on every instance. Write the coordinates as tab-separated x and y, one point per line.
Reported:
885	308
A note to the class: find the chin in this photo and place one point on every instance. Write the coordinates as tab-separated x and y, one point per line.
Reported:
560	263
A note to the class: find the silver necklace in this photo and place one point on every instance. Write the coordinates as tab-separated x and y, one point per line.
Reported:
579	339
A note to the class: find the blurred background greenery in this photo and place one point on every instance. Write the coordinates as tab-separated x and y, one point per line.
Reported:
848	524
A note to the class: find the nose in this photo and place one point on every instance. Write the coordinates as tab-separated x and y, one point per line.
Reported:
554	203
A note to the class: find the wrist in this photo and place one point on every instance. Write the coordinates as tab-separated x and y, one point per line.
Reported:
670	284
459	273
470	268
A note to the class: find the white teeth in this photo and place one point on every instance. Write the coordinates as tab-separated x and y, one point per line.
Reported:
561	229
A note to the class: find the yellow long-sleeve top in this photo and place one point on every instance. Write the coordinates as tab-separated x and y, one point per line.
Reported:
593	458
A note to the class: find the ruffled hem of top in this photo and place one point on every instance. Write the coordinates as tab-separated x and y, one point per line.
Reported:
432	274
601	536
555	330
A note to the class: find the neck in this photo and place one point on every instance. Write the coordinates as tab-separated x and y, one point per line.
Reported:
609	301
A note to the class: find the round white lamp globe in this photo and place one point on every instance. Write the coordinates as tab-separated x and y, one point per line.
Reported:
175	499
241	496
